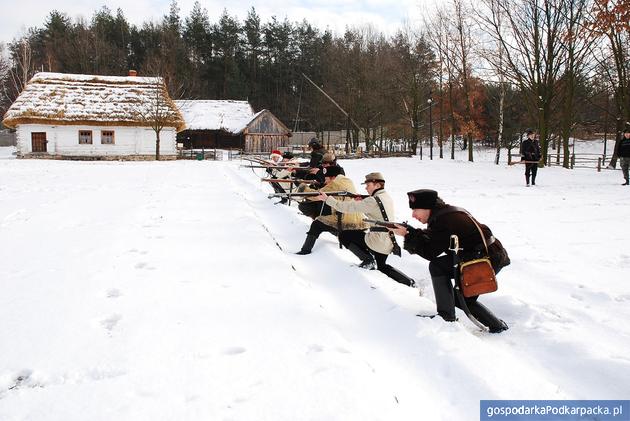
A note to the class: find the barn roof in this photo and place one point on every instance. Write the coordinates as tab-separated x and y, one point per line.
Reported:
228	115
64	99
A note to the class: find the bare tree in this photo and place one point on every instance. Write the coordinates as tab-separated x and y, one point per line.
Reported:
576	41
442	40
462	55
20	69
157	110
611	20
530	32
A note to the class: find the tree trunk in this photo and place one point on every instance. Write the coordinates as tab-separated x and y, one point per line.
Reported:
157	145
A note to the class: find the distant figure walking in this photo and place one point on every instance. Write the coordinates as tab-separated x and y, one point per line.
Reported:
624	154
530	154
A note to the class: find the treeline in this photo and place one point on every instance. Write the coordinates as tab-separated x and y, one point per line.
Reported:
465	75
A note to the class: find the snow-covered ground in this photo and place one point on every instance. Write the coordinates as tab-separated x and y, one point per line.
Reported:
170	291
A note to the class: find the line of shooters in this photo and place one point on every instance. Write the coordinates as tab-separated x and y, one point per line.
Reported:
363	225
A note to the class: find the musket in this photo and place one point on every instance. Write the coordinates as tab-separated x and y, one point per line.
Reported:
316	193
386	224
285	180
256	160
524	162
272	167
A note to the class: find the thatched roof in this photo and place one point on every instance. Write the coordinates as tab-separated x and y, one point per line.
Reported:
231	116
68	99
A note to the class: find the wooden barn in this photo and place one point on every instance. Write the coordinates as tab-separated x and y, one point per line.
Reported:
230	124
75	116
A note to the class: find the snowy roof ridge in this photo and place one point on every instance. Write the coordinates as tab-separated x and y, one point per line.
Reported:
64	98
228	115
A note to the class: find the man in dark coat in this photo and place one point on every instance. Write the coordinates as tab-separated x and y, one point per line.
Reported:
624	155
530	153
433	244
314	208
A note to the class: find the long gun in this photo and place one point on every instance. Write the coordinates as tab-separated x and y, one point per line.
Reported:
272	167
316	193
386	224
524	162
285	180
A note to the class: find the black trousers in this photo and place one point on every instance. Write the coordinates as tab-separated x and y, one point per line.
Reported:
533	170
313	208
318	227
441	269
277	188
357	237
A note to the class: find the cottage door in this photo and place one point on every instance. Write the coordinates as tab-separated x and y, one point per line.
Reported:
38	141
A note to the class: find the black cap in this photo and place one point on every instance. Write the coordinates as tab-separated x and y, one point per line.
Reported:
529	131
288	155
422	199
333	171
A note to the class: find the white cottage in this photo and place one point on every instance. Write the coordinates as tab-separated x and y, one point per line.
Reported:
94	117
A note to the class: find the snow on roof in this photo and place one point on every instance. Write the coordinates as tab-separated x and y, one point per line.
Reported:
228	115
59	98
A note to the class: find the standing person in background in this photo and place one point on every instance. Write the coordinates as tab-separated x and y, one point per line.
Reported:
372	247
530	153
624	154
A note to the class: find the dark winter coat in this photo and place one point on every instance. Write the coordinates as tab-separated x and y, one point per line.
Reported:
530	150
317	155
444	221
624	148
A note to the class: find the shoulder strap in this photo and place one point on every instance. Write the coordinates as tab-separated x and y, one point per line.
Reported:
453	209
396	249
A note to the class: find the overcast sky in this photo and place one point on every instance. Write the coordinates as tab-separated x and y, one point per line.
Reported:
384	15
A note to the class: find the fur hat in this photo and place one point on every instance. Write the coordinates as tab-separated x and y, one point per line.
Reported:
314	143
374	176
333	171
422	199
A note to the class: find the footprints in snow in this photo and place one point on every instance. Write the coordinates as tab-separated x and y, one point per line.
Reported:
110	322
30	379
141	265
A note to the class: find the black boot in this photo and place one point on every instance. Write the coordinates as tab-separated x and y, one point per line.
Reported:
367	260
486	317
398	276
444	300
308	244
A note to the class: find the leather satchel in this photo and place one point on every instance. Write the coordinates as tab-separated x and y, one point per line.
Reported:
477	276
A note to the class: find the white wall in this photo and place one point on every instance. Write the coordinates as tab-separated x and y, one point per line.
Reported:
64	140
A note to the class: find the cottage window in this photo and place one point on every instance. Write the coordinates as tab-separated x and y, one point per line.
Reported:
85	137
107	137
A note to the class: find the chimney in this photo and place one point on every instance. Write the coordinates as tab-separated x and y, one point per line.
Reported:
133	73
